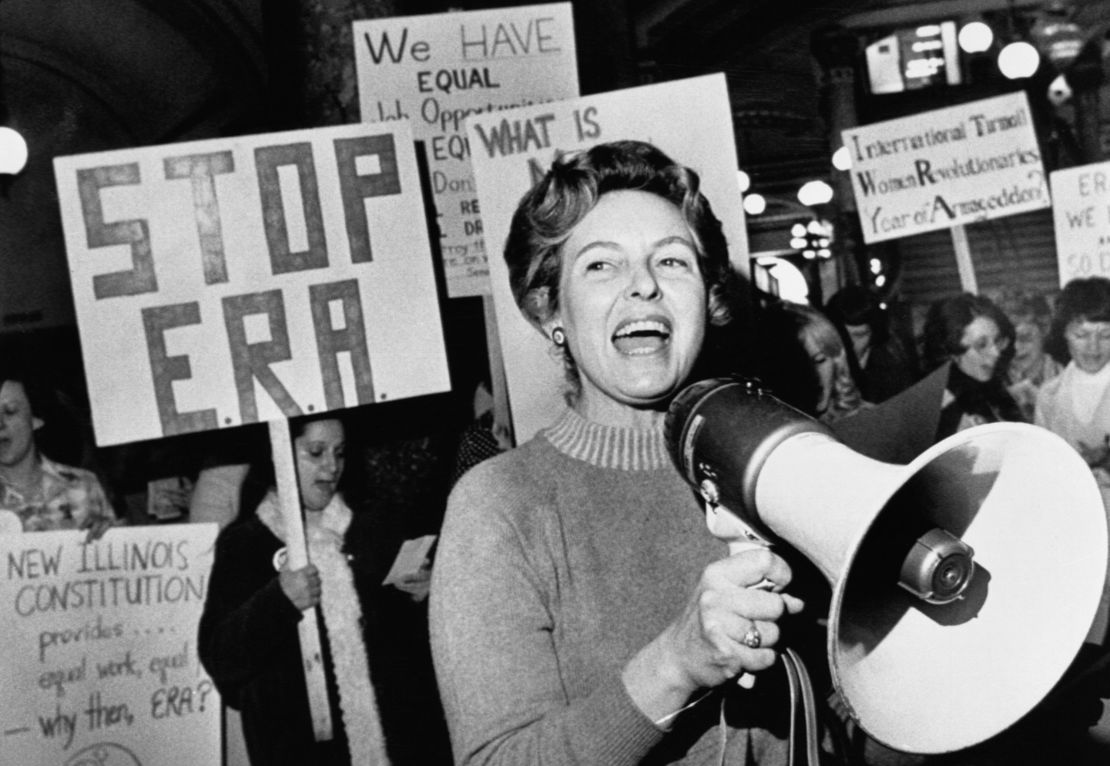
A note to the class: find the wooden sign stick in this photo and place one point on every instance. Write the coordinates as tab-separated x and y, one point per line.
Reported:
500	388
964	262
289	500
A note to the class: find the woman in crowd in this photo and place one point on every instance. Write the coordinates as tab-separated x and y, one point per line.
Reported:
248	638
972	335
580	612
1076	404
837	393
37	493
1031	364
881	362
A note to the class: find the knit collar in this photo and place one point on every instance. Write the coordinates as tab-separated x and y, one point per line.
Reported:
626	449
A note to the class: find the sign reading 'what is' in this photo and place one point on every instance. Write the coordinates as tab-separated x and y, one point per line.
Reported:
690	120
254	278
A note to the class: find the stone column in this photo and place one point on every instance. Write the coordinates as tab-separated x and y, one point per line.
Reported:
1085	75
835	51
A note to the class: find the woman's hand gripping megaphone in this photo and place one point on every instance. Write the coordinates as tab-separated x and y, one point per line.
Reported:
727	526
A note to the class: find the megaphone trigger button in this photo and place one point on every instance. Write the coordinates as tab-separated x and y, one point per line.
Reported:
709	491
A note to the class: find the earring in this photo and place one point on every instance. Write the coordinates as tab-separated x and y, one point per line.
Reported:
558	337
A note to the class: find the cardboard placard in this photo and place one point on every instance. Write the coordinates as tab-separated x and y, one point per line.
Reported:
100	648
237	280
436	70
945	168
690	120
1081	218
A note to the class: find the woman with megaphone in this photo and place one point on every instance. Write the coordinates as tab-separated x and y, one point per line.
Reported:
580	612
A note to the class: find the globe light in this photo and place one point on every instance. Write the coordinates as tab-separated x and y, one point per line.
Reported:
1019	60
815	193
842	158
975	37
13	151
754	204
745	180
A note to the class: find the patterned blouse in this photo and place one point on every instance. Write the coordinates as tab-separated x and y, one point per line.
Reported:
68	497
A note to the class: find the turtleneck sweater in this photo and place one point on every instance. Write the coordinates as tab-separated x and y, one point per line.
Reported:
1076	406
559	561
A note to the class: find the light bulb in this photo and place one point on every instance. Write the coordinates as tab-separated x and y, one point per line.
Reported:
13	151
842	158
754	204
745	180
975	37
815	193
1018	60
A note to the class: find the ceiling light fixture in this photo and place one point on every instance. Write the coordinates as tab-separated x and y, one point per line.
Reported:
815	193
1019	60
754	204
975	37
13	151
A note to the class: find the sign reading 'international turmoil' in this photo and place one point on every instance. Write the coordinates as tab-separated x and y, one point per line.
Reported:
947	167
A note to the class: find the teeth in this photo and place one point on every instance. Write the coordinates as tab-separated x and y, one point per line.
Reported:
642	326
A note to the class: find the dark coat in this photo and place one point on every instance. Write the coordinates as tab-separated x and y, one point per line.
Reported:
248	643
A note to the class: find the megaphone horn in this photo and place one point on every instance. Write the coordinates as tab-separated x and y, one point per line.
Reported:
963	583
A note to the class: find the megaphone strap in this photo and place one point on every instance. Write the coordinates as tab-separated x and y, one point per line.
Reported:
804	733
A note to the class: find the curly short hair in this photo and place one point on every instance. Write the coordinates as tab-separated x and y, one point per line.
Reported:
1084	300
550	210
949	317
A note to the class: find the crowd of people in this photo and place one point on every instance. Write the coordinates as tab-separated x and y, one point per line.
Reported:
579	612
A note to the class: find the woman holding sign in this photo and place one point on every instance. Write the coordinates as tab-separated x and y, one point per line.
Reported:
580	612
248	632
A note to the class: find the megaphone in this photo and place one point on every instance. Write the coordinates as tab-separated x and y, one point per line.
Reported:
963	584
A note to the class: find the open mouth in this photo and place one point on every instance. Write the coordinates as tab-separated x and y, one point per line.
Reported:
642	336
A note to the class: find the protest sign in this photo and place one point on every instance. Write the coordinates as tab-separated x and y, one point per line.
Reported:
437	69
236	280
690	120
100	657
1081	217
946	168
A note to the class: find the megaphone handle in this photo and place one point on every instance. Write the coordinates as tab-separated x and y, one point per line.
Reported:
747	680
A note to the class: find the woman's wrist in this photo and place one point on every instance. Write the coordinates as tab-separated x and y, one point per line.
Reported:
656	682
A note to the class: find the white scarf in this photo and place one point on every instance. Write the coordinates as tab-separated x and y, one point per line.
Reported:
343	623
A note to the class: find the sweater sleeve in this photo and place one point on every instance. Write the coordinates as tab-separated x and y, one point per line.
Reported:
247	621
491	632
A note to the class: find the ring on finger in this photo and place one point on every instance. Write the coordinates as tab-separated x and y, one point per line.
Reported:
752	639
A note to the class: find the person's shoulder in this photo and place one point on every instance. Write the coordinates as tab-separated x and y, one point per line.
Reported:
514	470
69	473
247	532
1050	388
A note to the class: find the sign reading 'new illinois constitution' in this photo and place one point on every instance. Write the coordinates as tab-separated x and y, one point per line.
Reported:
100	658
